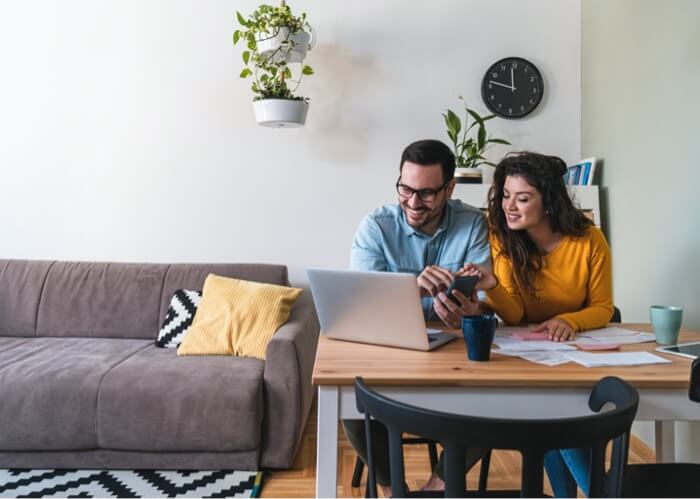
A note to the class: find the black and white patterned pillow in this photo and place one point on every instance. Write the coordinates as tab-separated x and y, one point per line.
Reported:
179	317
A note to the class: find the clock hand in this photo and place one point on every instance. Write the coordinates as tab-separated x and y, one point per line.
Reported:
501	84
512	81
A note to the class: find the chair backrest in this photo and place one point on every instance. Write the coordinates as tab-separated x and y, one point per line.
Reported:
531	437
694	390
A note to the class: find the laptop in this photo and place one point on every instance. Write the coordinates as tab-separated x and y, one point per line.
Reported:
380	308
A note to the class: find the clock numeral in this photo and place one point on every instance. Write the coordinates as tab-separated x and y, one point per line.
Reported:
503	67
522	108
510	110
532	101
490	86
495	75
515	65
499	106
493	97
527	69
532	78
534	90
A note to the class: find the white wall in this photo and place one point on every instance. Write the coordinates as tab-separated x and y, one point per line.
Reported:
641	77
125	133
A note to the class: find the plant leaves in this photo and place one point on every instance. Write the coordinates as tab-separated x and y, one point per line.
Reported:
476	117
306	70
499	141
481	137
287	73
246	73
241	19
236	36
453	122
246	57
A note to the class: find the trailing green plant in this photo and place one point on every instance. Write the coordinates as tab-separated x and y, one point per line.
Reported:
271	73
469	151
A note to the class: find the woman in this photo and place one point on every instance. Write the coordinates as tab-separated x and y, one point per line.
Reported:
551	268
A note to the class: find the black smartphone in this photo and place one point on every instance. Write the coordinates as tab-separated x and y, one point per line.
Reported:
464	284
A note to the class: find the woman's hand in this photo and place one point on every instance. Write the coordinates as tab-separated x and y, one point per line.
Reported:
557	329
487	280
450	313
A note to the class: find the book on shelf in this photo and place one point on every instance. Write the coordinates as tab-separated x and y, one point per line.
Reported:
581	173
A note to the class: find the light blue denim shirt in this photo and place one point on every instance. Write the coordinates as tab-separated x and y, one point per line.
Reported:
385	242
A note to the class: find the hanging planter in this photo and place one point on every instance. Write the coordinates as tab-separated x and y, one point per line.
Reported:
285	46
276	45
280	113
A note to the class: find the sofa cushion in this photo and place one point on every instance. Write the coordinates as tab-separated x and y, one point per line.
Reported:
49	388
157	401
178	318
21	283
237	317
106	300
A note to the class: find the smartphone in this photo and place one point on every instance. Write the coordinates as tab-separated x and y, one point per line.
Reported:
464	285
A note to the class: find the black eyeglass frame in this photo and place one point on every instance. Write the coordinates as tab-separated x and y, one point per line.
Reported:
425	195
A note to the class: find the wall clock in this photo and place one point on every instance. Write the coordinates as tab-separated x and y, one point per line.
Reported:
512	87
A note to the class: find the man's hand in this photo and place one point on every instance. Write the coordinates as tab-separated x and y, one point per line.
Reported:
557	329
433	280
451	313
487	280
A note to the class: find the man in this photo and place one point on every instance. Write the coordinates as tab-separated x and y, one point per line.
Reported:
426	233
429	235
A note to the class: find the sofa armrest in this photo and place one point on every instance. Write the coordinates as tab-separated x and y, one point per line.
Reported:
287	383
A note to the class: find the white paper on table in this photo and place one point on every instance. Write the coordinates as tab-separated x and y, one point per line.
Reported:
430	330
588	359
545	358
536	346
612	335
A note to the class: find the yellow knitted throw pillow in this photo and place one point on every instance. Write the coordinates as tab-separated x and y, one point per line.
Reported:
237	317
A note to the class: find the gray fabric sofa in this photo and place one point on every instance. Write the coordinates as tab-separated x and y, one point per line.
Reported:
82	384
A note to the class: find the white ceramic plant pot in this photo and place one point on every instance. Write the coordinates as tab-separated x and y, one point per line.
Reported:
280	113
294	51
468	175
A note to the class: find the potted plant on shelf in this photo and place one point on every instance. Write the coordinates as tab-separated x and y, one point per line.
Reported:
468	150
276	43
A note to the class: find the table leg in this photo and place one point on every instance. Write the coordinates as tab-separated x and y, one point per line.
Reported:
665	441
327	442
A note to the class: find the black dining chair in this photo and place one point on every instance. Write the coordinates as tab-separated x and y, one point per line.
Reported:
531	437
666	479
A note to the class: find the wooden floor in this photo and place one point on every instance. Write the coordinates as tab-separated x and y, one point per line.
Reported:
300	481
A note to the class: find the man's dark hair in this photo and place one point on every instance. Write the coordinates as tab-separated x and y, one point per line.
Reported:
429	152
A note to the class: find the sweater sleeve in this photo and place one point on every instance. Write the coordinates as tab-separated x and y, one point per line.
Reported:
598	307
505	299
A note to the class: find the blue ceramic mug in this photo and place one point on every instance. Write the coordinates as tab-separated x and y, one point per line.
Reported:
478	331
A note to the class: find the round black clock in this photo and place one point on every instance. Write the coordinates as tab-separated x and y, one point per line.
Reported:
512	87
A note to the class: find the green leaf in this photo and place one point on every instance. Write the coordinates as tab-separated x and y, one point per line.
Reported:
499	141
476	117
236	36
453	122
241	19
246	73
251	44
306	70
482	137
246	57
452	136
287	73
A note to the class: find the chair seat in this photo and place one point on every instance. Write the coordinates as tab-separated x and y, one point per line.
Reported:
662	480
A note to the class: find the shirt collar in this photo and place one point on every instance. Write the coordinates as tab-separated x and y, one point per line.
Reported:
408	231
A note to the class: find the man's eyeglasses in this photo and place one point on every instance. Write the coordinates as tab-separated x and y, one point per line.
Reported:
425	195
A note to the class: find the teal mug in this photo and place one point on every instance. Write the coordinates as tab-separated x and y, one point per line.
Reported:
666	323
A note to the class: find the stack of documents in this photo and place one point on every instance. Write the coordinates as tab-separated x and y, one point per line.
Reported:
552	353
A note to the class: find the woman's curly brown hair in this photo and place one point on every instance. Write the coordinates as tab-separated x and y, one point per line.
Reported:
544	173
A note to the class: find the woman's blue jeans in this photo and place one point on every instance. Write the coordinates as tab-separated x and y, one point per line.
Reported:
567	468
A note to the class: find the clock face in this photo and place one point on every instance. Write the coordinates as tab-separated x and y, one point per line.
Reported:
512	87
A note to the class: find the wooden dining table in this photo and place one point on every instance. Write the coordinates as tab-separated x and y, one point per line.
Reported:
444	379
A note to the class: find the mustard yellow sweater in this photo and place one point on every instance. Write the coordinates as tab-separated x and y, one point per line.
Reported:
574	284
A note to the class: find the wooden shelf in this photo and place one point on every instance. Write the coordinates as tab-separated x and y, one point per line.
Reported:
585	197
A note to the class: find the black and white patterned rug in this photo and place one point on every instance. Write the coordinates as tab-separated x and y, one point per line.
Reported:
128	483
